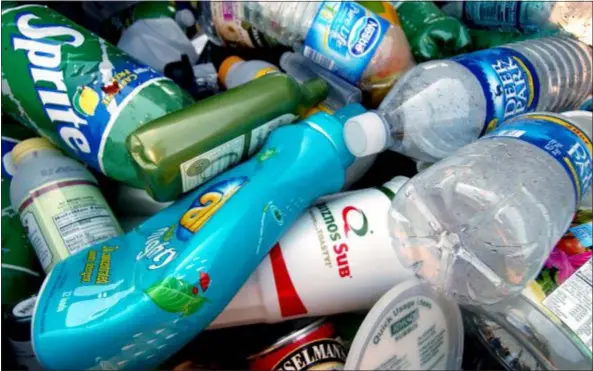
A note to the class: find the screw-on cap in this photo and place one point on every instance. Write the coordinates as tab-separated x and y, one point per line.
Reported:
365	134
226	66
395	184
29	145
185	18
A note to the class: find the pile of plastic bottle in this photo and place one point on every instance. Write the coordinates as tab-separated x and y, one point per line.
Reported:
358	185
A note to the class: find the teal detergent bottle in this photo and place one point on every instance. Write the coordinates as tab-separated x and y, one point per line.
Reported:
133	301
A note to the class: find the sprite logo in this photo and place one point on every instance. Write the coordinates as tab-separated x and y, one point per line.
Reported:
44	55
355	221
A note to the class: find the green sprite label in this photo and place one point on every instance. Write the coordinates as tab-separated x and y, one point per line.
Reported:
78	90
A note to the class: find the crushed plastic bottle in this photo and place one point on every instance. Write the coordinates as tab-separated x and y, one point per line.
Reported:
480	224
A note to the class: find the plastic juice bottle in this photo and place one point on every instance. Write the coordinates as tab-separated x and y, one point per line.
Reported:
171	276
21	273
180	151
79	91
431	33
336	258
59	202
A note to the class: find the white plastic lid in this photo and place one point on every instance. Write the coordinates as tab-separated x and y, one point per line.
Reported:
185	18
365	134
412	327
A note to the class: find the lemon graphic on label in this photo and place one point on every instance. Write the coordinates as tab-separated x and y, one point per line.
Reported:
85	101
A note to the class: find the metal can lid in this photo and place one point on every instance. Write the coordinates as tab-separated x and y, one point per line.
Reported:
412	327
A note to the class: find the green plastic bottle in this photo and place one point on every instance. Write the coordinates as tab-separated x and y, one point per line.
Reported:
431	33
77	90
178	152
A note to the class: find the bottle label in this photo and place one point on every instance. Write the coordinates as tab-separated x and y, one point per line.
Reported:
228	20
509	83
503	14
74	84
419	328
64	217
561	140
207	165
343	38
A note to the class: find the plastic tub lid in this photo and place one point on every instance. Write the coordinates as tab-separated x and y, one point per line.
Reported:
412	327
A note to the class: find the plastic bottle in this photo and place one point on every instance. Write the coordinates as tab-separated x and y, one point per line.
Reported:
361	47
573	17
431	33
59	202
180	151
440	106
21	273
479	224
157	42
171	276
336	258
235	71
74	88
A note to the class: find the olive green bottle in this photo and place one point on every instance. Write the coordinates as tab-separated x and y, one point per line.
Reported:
180	151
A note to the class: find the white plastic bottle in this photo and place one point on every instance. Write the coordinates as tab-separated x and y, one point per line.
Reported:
479	224
573	17
59	201
336	258
343	37
235	71
440	106
157	42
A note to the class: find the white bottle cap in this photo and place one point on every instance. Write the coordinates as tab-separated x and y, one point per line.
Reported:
365	134
185	18
396	183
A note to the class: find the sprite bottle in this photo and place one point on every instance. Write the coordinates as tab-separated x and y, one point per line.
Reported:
77	90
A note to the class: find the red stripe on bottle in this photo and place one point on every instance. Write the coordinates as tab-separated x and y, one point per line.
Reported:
288	298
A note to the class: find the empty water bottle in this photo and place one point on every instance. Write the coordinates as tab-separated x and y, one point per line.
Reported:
479	224
573	17
440	106
344	37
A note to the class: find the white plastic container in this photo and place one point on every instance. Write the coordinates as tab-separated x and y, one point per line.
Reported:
336	258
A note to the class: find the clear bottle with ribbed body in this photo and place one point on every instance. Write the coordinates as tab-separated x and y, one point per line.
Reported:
289	23
441	106
480	224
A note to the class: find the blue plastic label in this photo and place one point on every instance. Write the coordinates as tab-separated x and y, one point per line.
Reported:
343	38
509	82
7	166
559	138
584	233
99	103
587	105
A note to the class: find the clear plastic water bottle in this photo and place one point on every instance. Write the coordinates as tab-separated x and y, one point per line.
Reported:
344	37
440	106
479	224
573	17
